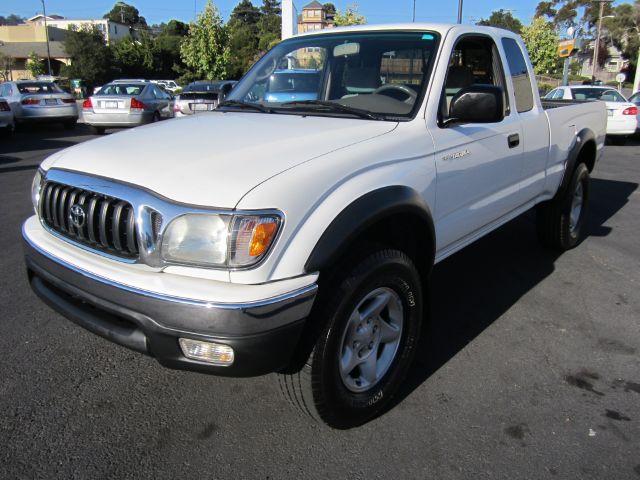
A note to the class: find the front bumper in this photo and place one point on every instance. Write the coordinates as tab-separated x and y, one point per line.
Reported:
138	319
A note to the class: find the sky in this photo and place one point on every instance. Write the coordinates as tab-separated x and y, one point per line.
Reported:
376	11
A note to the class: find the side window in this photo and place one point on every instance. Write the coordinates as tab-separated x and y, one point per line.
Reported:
475	61
3	90
559	94
522	88
552	94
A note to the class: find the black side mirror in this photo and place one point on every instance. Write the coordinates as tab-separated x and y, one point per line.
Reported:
477	104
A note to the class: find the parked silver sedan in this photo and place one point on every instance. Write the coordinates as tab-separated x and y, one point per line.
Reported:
126	104
40	101
202	96
7	124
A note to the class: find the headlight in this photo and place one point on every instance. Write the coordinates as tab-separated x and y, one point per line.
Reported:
35	190
219	240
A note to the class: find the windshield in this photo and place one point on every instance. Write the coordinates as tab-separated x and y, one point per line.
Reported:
605	94
39	87
121	89
383	74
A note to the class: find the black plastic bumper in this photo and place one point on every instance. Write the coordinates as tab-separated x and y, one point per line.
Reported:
264	335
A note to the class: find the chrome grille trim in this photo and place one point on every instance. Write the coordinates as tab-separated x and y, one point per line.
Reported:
115	238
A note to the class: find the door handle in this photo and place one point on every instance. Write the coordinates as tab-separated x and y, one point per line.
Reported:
513	140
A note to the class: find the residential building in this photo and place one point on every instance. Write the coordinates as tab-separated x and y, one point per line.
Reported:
17	42
314	17
613	64
112	31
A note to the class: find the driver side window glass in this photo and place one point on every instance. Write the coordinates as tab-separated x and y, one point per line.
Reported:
474	61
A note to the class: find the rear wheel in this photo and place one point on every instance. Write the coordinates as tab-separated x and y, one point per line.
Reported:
560	221
359	360
156	117
98	130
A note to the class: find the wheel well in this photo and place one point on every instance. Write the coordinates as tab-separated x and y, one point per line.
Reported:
406	232
587	155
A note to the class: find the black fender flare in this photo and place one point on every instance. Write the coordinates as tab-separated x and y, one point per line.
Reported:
583	137
365	212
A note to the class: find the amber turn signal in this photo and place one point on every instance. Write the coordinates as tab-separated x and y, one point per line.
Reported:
263	234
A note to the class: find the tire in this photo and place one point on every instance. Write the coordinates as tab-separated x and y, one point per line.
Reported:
156	117
98	130
560	221
346	396
70	125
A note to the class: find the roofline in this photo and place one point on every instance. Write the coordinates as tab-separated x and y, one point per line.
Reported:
441	28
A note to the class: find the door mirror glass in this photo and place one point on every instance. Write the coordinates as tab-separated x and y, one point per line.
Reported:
477	104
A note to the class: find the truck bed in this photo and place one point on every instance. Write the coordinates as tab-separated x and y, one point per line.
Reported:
548	104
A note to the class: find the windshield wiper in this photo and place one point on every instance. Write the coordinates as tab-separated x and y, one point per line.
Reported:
246	106
334	107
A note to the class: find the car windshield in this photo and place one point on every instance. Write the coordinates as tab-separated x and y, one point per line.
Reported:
121	89
605	94
39	87
368	74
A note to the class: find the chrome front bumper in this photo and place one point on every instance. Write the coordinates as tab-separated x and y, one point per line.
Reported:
263	334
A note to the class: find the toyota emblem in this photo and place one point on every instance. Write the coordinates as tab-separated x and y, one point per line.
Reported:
77	217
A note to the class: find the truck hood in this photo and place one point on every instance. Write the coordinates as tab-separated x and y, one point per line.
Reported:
214	159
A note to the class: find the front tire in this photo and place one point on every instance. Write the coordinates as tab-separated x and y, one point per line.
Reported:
560	221
373	316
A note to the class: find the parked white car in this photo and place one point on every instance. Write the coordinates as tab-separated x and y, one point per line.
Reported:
298	236
622	115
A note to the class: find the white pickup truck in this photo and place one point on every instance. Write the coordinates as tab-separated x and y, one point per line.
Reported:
298	236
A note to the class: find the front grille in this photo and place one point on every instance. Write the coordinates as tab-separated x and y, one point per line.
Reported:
103	223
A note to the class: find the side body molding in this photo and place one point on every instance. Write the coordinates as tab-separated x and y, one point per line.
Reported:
365	212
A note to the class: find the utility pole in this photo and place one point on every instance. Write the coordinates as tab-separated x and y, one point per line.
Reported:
122	14
414	11
459	11
596	47
46	34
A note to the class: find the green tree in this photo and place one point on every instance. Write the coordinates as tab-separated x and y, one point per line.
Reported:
502	19
12	19
244	37
269	25
35	65
624	29
329	8
542	43
205	50
127	14
166	49
6	64
90	58
349	17
134	58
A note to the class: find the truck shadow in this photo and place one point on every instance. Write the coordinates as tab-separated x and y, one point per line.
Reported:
476	286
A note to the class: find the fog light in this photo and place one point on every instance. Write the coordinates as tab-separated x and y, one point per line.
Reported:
214	353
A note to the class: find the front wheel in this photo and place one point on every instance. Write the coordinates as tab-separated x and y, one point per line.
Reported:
373	317
560	221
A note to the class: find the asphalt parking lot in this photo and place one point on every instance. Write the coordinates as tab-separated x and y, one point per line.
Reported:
529	368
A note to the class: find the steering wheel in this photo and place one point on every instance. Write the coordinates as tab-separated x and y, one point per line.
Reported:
411	95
